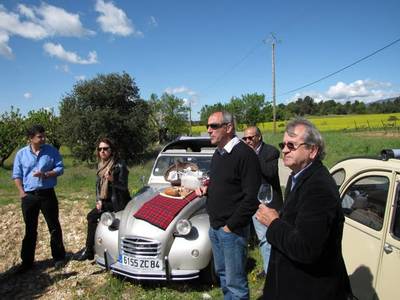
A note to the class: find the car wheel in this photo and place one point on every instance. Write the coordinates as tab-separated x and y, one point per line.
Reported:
208	275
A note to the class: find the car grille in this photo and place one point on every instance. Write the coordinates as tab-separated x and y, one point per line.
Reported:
140	246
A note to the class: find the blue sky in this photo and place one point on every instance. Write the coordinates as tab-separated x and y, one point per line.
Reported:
204	51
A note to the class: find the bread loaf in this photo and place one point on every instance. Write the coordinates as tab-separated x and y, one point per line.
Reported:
172	191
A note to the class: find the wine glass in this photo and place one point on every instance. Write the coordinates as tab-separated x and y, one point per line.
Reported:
265	193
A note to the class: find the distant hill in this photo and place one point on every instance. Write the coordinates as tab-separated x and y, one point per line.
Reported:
385	100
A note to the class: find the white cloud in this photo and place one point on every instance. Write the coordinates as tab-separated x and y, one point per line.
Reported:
44	21
80	77
364	90
26	11
58	51
192	95
12	25
27	95
180	90
114	20
38	22
63	68
59	22
5	50
153	22
361	90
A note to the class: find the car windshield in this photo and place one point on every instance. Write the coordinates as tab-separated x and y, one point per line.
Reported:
163	162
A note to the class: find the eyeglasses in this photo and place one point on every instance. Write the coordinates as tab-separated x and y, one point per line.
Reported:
103	148
250	138
290	146
215	126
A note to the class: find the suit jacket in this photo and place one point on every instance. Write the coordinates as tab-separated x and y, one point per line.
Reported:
306	258
268	157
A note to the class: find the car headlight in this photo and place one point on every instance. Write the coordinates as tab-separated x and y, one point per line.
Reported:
107	218
183	227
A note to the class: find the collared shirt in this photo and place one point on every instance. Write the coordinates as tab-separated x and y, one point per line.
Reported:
26	162
229	146
258	149
297	175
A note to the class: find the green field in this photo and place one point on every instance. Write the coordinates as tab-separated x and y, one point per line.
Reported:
335	123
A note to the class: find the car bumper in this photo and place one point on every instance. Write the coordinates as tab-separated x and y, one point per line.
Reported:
165	275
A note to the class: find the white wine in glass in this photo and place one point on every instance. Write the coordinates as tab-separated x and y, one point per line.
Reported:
265	193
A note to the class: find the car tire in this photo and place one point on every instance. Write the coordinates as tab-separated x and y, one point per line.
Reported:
208	275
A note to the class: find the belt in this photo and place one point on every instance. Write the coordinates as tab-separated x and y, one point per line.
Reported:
40	192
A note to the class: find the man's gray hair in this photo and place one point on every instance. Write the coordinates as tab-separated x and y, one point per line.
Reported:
227	117
312	135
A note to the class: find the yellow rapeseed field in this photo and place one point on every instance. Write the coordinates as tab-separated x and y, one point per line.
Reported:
336	123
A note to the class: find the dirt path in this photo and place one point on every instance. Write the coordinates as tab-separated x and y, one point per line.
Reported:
44	281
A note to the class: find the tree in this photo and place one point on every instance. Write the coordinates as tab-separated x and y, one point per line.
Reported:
207	110
255	108
11	133
170	114
106	106
49	121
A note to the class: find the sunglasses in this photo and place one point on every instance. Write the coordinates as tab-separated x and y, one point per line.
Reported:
215	126
290	146
250	138
103	148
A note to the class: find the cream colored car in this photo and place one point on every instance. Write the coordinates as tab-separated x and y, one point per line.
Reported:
370	190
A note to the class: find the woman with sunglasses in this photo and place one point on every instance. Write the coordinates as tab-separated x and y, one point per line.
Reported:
112	193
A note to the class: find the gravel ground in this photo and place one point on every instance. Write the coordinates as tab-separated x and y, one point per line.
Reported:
44	281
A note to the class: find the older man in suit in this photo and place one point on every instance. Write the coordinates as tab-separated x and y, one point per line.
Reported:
306	258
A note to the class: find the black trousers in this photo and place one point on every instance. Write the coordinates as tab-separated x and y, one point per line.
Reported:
93	219
46	202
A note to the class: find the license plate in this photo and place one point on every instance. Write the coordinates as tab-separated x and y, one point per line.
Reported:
145	264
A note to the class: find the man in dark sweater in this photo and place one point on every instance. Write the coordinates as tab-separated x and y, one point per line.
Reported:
235	177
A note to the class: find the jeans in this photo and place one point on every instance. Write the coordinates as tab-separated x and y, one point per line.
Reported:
46	202
265	247
230	258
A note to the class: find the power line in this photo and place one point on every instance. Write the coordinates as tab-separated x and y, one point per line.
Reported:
250	52
342	69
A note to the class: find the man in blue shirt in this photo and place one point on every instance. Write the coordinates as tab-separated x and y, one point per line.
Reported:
35	172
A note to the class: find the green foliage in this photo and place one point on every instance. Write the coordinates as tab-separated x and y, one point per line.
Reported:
49	121
169	115
250	109
106	106
207	110
11	133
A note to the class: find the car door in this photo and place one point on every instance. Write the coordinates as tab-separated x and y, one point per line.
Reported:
389	272
364	201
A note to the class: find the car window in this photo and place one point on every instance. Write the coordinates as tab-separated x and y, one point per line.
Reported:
163	162
365	201
396	223
339	177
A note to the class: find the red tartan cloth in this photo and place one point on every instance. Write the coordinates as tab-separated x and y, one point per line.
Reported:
161	210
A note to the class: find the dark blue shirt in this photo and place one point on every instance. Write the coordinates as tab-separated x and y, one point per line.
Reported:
26	163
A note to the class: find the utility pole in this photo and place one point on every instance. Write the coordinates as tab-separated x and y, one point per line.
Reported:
190	117
273	41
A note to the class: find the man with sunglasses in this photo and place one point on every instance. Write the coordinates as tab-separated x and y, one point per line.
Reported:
232	190
268	157
35	171
306	258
